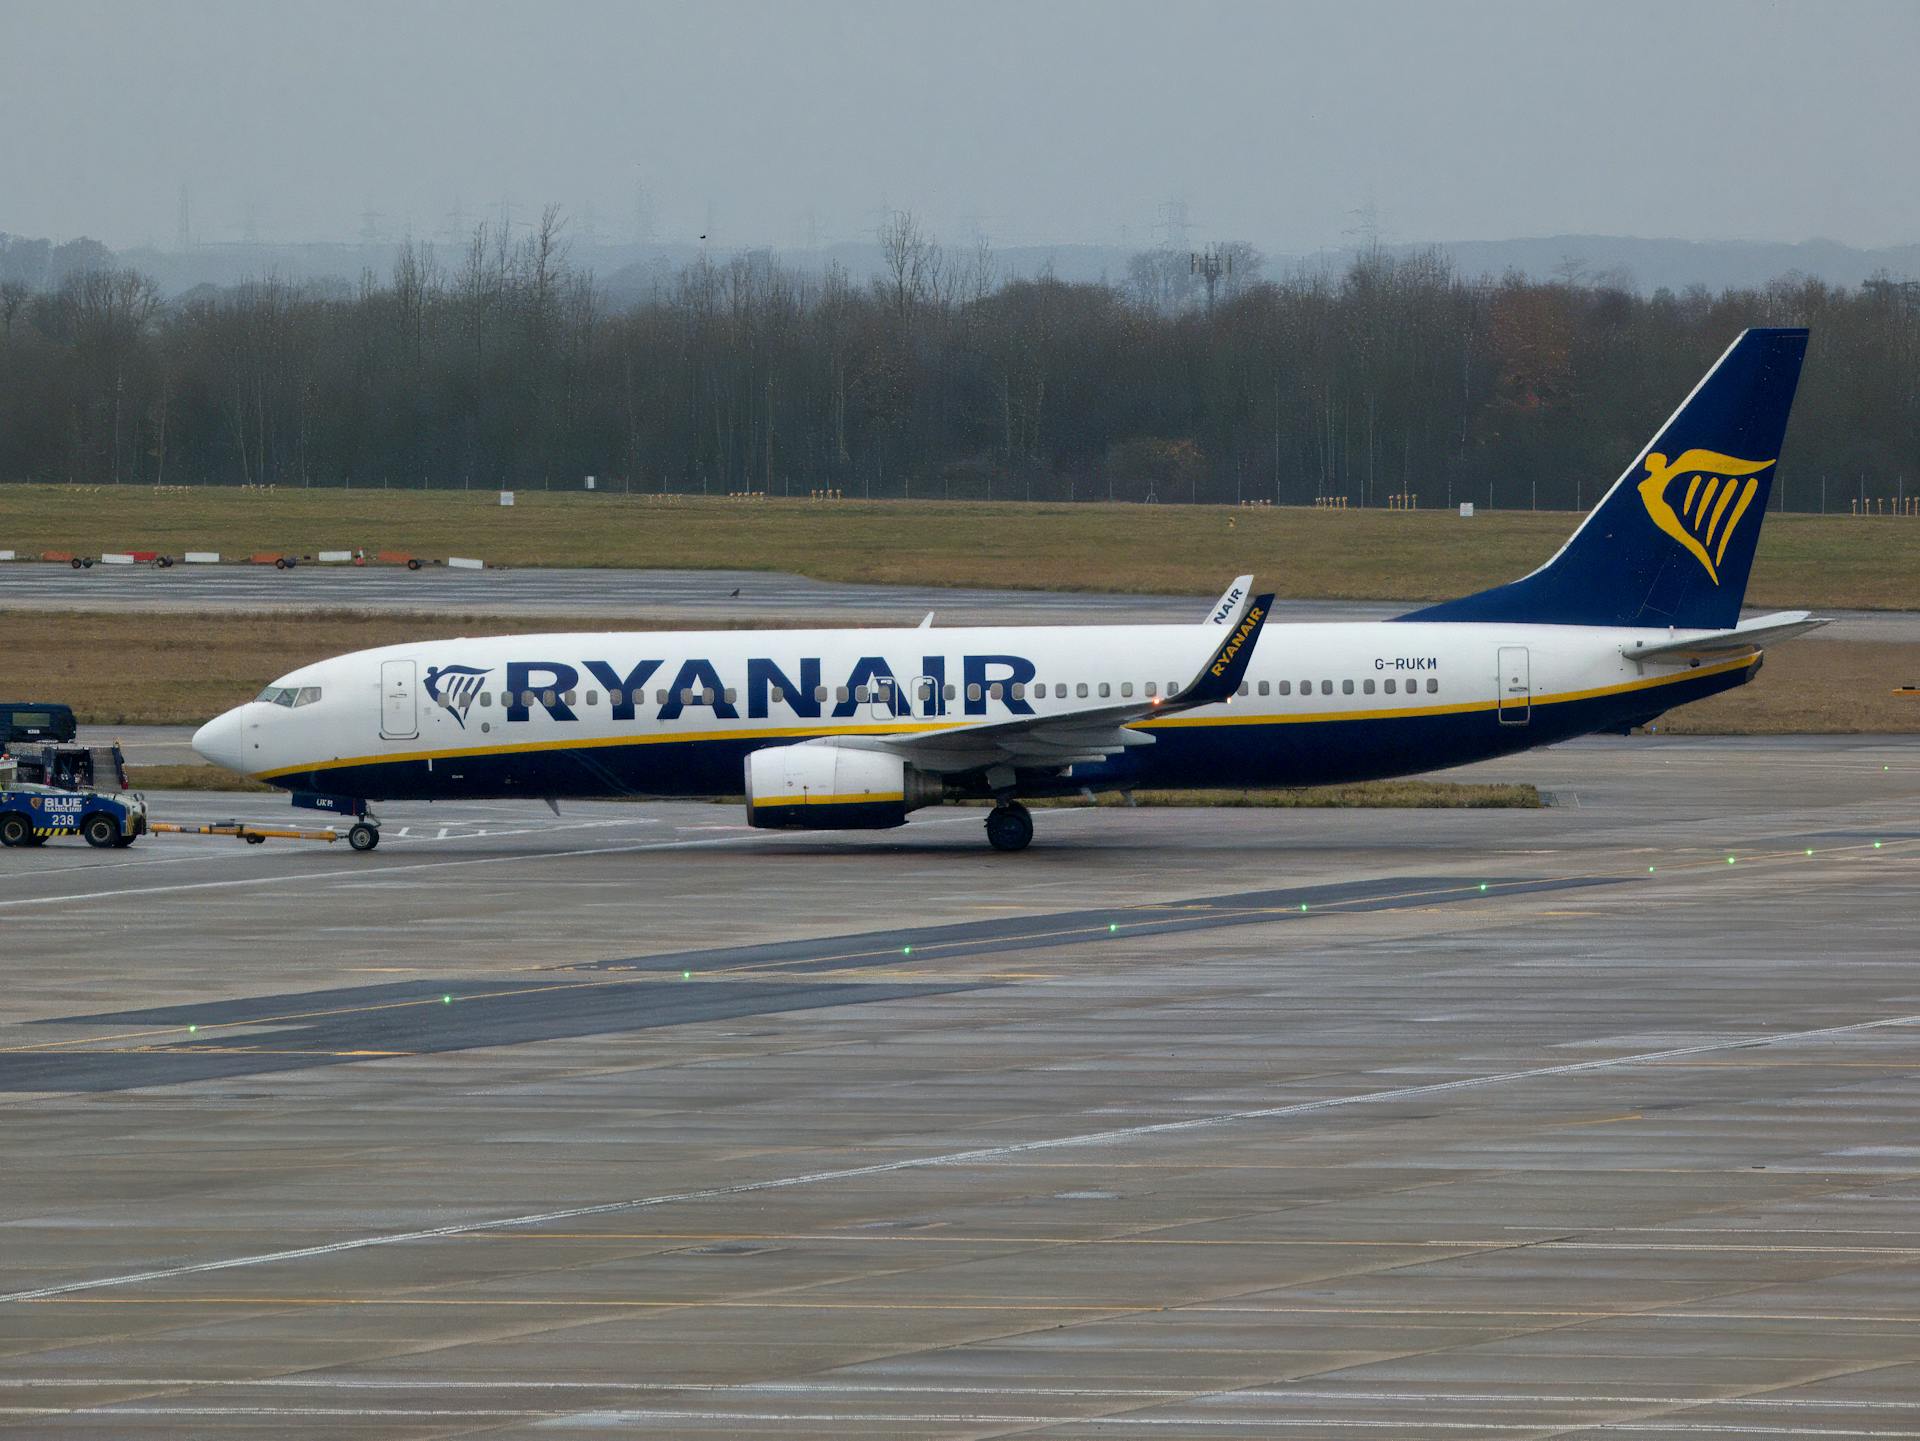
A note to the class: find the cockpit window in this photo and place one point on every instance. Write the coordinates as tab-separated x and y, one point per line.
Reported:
288	695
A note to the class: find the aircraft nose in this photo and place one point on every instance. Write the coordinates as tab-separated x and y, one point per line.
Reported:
219	741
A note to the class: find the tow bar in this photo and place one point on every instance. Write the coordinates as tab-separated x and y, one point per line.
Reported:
240	830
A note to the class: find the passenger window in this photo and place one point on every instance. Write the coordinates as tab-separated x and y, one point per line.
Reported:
526	699
686	695
1263	687
617	697
660	696
819	692
593	697
996	690
486	700
1151	688
1285	687
1105	690
1245	689
1020	691
924	691
775	694
1367	686
1126	689
860	694
1346	687
1326	687
1080	690
732	695
953	691
840	693
569	697
1433	685
973	691
1389	685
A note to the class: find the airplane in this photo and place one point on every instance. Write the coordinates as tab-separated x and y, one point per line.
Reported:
852	729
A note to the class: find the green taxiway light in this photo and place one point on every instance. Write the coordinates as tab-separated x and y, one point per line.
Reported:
446	1000
192	1030
686	975
1809	850
1649	870
1483	885
1303	905
1876	845
906	950
1113	926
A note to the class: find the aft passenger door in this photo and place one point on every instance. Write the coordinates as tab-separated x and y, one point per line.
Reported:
399	716
1514	678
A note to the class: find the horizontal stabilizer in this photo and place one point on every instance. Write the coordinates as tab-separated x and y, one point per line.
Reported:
1716	644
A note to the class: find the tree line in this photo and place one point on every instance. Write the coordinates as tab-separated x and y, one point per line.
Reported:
1179	382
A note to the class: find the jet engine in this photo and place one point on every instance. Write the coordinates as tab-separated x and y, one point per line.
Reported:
833	788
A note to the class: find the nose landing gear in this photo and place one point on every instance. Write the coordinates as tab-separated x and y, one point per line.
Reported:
364	835
1009	827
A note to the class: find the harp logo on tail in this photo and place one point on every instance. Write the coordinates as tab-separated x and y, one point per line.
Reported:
453	688
1717	491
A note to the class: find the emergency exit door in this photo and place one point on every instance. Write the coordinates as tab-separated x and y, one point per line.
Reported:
399	717
1515	679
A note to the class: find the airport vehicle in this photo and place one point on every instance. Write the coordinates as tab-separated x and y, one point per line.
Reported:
31	812
35	721
851	729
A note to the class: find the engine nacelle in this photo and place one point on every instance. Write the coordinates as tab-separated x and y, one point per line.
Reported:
833	788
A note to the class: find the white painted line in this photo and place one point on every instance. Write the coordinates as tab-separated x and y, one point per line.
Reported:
461	562
334	557
202	557
7	555
116	557
979	1156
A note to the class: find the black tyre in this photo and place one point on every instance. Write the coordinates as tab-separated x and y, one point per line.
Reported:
280	563
126	840
76	562
1009	827
14	830
363	837
100	829
413	564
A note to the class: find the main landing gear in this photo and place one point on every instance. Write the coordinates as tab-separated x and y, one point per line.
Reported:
1009	827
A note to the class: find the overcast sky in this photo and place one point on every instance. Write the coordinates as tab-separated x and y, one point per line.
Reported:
1032	122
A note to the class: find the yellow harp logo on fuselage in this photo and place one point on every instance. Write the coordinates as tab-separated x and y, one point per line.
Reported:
1710	507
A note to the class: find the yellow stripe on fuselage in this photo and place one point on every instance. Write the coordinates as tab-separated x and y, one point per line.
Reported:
922	727
805	798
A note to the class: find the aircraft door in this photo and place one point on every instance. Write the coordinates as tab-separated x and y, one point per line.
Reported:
1515	682
399	718
880	699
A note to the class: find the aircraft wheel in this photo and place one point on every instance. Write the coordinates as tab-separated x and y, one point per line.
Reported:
363	837
101	829
14	831
1009	827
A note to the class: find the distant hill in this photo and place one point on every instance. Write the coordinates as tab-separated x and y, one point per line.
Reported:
630	272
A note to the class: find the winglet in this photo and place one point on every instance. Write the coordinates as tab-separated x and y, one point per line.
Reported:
1226	610
1220	677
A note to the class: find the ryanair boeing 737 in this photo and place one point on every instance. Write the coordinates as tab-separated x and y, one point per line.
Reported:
849	729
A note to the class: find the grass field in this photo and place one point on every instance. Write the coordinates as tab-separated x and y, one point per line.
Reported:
1804	561
181	669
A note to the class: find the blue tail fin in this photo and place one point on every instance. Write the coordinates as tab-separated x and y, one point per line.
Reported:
1672	543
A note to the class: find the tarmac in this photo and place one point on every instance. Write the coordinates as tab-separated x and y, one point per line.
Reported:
589	599
1597	1119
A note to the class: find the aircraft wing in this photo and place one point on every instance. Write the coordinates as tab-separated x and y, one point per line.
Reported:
1228	609
1718	644
1092	734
